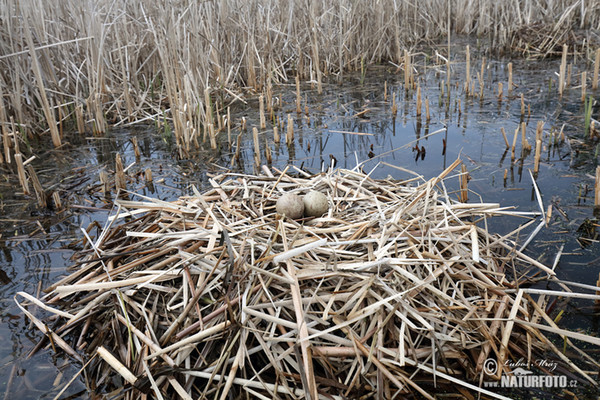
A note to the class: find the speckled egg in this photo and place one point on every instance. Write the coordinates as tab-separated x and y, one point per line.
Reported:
315	204
291	205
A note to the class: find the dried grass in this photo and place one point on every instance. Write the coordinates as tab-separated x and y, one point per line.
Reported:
107	63
398	289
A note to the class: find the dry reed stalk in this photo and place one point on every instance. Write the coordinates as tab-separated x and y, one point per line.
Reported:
569	74
427	116
480	78
464	183
261	112
257	159
597	188
563	70
120	180
21	173
385	91
514	144
148	175
6	145
48	112
510	78
276	137
212	136
596	69
289	133
394	107
583	85
40	195
56	200
500	91
268	155
524	142
136	148
103	176
504	137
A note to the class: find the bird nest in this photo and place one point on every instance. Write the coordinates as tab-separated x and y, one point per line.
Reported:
398	289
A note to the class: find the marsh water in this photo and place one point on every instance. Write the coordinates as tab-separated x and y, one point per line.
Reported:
36	244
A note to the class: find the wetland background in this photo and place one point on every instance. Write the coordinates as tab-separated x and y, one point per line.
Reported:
83	83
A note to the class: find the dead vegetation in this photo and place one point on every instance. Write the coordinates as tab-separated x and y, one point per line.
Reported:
91	65
398	289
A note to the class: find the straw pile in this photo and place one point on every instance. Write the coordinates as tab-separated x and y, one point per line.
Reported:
396	290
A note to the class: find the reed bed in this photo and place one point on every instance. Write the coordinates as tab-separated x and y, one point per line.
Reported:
92	65
399	288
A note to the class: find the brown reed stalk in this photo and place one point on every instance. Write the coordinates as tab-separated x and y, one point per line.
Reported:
464	182
57	201
524	142
261	112
37	72
522	105
148	175
563	70
229	126
120	181
276	137
21	172
427	109
136	148
514	145
385	91
500	91
40	194
212	136
256	146
289	134
268	155
394	107
480	78
504	136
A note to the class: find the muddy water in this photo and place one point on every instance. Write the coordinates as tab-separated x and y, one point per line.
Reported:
36	244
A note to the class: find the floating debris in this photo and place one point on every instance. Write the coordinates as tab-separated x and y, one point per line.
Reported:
398	288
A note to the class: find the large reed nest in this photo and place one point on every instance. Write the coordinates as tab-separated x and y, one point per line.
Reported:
399	290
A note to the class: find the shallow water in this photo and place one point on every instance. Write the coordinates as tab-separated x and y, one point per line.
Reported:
33	242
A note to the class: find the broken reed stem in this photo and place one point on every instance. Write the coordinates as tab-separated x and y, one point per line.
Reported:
510	78
21	172
500	91
514	145
120	181
136	148
289	135
563	70
464	182
148	175
212	136
261	110
394	108
427	109
276	137
597	188
524	142
268	151
596	70
480	78
256	146
504	136
522	105
37	187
